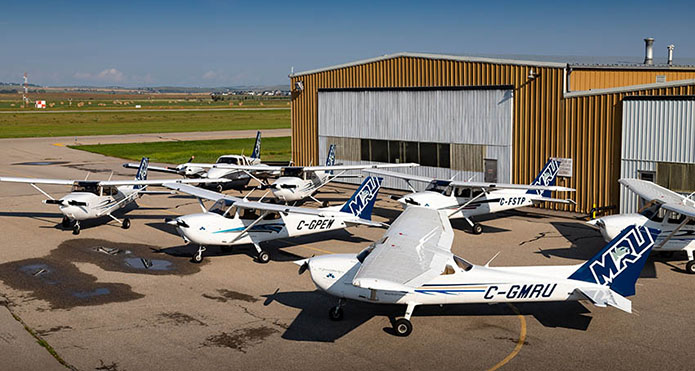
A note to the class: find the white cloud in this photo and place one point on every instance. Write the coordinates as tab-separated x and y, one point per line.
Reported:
107	75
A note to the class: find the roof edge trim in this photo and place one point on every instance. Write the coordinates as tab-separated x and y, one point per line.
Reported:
434	56
626	89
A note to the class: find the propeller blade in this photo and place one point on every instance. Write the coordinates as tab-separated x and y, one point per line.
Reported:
288	186
304	267
53	202
412	202
76	203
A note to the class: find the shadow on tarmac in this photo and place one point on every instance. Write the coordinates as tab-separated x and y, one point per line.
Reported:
313	324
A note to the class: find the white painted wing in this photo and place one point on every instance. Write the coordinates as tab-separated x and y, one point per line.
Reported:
414	250
394	174
238	202
358	167
650	191
528	187
152	168
160	181
37	181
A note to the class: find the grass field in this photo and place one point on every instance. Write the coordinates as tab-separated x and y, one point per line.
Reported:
106	123
272	149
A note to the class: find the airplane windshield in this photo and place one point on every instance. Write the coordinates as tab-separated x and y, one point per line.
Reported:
221	206
292	171
227	160
90	187
652	213
439	186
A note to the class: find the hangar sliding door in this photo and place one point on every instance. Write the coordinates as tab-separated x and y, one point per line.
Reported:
464	132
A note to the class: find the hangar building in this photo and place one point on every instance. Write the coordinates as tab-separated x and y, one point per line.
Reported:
501	119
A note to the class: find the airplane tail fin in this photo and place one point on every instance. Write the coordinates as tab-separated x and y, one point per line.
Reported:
257	147
619	263
142	171
546	177
362	201
330	160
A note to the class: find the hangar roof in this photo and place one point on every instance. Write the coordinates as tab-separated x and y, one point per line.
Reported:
553	62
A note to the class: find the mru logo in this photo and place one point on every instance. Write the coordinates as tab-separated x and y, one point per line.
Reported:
626	251
547	175
368	192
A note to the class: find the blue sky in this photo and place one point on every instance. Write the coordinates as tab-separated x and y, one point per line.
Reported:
223	43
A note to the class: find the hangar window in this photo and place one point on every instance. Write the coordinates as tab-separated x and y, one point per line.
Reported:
412	152
428	154
646	175
443	154
380	150
364	150
394	151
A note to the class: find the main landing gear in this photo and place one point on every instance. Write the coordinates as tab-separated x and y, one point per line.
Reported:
690	266
402	326
198	257
263	256
476	227
66	222
336	313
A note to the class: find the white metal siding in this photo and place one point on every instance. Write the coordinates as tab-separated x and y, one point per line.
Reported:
482	117
654	131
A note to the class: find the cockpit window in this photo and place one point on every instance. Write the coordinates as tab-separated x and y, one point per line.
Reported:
91	187
292	171
466	266
364	253
227	160
222	206
439	186
463	192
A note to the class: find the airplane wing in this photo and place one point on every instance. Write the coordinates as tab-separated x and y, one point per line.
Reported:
403	176
152	168
238	202
651	192
357	167
528	187
251	168
37	181
159	181
414	250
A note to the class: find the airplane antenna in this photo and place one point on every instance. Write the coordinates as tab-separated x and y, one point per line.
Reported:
491	259
471	178
453	177
111	175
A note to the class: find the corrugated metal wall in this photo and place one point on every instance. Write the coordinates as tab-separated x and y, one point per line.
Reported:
654	130
464	116
585	128
581	79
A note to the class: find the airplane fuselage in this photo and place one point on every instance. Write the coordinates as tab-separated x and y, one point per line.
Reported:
215	229
88	205
611	226
294	188
492	202
334	274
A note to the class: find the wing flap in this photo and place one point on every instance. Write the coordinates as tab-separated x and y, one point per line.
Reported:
527	187
38	181
393	174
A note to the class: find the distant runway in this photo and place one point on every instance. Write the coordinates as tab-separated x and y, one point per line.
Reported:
154	110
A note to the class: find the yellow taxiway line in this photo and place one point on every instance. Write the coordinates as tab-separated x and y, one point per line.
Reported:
519	343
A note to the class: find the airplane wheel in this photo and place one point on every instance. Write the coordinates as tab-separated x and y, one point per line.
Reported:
325	204
403	327
263	257
336	313
126	223
690	267
477	228
219	188
76	229
66	222
197	258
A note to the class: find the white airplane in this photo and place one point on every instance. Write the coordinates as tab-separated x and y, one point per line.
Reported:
297	183
91	199
235	221
236	179
665	210
413	265
468	199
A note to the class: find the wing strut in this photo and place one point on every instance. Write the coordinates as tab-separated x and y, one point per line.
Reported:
41	190
249	227
481	194
680	226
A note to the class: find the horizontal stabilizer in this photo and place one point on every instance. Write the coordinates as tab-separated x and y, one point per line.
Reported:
605	296
557	200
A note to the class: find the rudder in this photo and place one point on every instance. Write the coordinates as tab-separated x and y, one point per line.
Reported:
546	177
257	147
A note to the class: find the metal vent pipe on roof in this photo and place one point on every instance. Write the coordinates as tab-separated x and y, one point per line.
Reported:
649	51
670	54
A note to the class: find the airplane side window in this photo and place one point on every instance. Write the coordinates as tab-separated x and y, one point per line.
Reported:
466	266
447	191
448	270
249	214
691	222
272	216
675	218
463	192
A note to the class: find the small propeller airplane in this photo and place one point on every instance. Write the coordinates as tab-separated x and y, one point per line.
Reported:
468	199
666	210
297	183
235	221
91	199
413	265
236	179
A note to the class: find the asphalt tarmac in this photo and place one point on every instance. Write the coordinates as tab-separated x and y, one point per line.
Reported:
130	299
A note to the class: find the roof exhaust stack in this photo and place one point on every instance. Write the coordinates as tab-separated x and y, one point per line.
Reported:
649	51
670	54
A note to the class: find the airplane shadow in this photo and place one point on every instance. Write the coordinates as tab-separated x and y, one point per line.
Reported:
42	216
313	324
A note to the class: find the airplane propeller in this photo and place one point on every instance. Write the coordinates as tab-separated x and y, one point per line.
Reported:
53	202
77	203
304	267
288	186
177	222
412	202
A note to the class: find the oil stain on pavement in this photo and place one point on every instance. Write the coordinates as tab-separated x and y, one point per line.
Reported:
240	339
57	280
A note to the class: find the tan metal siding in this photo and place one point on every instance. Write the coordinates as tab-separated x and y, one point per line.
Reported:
586	129
604	79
